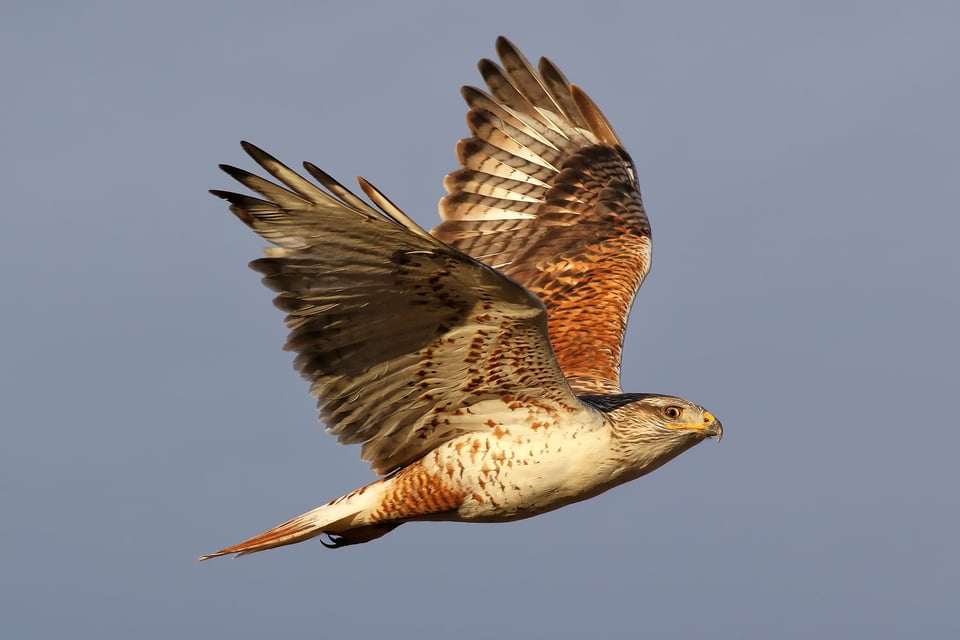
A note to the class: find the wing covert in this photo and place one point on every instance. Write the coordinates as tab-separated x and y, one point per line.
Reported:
397	333
549	196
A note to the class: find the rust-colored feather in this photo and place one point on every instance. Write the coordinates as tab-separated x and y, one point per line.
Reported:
548	195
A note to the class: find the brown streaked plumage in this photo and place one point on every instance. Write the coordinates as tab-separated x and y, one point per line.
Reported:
481	397
549	196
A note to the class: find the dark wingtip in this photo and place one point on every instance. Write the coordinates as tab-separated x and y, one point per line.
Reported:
259	155
238	203
469	91
322	176
234	172
503	44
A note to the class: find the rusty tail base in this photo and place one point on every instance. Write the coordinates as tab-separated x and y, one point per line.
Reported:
366	514
344	520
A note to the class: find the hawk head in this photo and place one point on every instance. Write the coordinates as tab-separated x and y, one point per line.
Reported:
653	429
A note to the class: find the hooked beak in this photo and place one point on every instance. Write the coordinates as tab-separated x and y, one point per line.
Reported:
712	426
709	426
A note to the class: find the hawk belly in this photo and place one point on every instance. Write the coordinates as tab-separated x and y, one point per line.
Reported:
519	472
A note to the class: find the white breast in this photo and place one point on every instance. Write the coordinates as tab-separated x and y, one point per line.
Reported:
529	462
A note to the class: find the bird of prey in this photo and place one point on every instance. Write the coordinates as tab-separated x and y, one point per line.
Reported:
478	365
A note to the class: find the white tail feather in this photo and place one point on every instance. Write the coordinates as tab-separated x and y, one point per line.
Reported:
337	517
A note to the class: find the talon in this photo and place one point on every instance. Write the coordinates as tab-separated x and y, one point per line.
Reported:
336	541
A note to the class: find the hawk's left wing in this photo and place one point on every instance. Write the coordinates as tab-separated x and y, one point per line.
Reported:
549	196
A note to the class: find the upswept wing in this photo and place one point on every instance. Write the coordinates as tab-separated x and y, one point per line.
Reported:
549	196
398	333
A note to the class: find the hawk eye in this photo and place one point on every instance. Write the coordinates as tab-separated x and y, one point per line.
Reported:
672	412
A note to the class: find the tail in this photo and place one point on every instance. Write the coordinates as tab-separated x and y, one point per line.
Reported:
344	520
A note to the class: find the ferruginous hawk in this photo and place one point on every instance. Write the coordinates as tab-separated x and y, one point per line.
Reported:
478	365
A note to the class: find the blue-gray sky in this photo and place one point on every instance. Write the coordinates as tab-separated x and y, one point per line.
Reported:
799	164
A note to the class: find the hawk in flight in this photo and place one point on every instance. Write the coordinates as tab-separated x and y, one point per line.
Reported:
478	364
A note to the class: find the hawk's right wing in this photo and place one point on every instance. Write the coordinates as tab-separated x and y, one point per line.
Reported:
400	335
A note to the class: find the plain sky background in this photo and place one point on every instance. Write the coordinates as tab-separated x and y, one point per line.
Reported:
800	165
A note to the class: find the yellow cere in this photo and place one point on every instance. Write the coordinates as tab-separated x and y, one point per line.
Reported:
708	420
